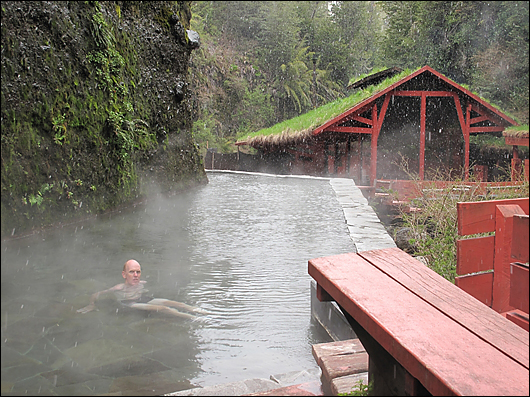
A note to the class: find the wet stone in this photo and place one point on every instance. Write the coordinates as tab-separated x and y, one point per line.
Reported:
34	386
12	358
44	351
174	357
130	367
154	384
23	371
67	376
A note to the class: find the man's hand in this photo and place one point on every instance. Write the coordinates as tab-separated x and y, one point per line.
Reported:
87	309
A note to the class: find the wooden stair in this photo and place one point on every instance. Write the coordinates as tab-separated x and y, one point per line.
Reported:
343	364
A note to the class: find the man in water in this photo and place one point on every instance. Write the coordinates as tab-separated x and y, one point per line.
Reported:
131	294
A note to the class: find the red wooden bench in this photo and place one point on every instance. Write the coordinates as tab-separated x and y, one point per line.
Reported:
484	264
421	332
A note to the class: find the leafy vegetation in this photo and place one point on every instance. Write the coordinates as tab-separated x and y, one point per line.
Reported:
434	227
320	115
360	389
292	57
89	106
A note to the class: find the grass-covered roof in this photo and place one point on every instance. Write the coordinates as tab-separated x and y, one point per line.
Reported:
517	131
301	127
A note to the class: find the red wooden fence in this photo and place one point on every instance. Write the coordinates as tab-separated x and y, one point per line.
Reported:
487	266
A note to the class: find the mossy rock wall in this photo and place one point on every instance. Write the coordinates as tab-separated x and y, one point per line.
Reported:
95	108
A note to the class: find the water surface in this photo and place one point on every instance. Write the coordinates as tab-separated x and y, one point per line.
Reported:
237	247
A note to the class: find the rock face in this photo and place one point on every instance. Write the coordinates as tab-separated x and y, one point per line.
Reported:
96	110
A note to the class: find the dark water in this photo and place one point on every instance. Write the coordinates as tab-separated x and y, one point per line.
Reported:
237	247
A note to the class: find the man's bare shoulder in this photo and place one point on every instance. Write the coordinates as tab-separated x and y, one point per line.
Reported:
117	287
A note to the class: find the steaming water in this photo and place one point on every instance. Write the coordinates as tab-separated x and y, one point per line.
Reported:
237	247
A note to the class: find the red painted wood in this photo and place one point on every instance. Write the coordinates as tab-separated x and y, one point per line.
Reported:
479	286
474	255
464	125
363	120
518	318
373	145
445	356
519	287
450	300
494	117
503	248
377	122
484	106
421	93
423	116
475	120
479	216
516	141
520	239
486	129
322	295
351	130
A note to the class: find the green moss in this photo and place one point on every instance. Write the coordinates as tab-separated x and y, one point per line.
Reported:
89	122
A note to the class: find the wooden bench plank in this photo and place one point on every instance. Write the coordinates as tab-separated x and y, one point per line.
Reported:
452	301
443	355
479	216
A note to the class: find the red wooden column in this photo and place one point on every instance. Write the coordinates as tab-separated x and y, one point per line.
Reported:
377	122
373	147
465	124
501	265
466	141
423	117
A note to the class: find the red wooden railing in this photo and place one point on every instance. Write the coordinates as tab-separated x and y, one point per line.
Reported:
494	268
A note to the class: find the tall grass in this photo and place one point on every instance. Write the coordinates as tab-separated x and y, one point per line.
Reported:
433	229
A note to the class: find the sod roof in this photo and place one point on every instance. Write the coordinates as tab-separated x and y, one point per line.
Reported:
307	125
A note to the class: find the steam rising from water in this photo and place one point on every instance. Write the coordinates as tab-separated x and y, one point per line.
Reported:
237	248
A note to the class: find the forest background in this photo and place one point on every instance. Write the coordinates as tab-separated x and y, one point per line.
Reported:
261	63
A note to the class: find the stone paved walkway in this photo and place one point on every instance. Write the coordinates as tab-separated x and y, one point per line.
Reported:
366	230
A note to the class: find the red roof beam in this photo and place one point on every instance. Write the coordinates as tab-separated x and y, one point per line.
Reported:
352	130
362	120
486	129
510	140
420	93
479	119
491	116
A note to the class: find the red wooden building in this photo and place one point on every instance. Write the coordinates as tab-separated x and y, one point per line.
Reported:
422	123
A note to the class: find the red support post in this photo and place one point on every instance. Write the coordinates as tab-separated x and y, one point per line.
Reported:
373	153
377	123
466	141
423	117
501	265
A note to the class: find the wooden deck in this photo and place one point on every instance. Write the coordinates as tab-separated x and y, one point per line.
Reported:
422	333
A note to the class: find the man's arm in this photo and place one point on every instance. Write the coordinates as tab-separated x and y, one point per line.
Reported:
94	297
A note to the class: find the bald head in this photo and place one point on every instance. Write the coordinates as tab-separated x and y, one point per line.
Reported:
129	263
131	272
